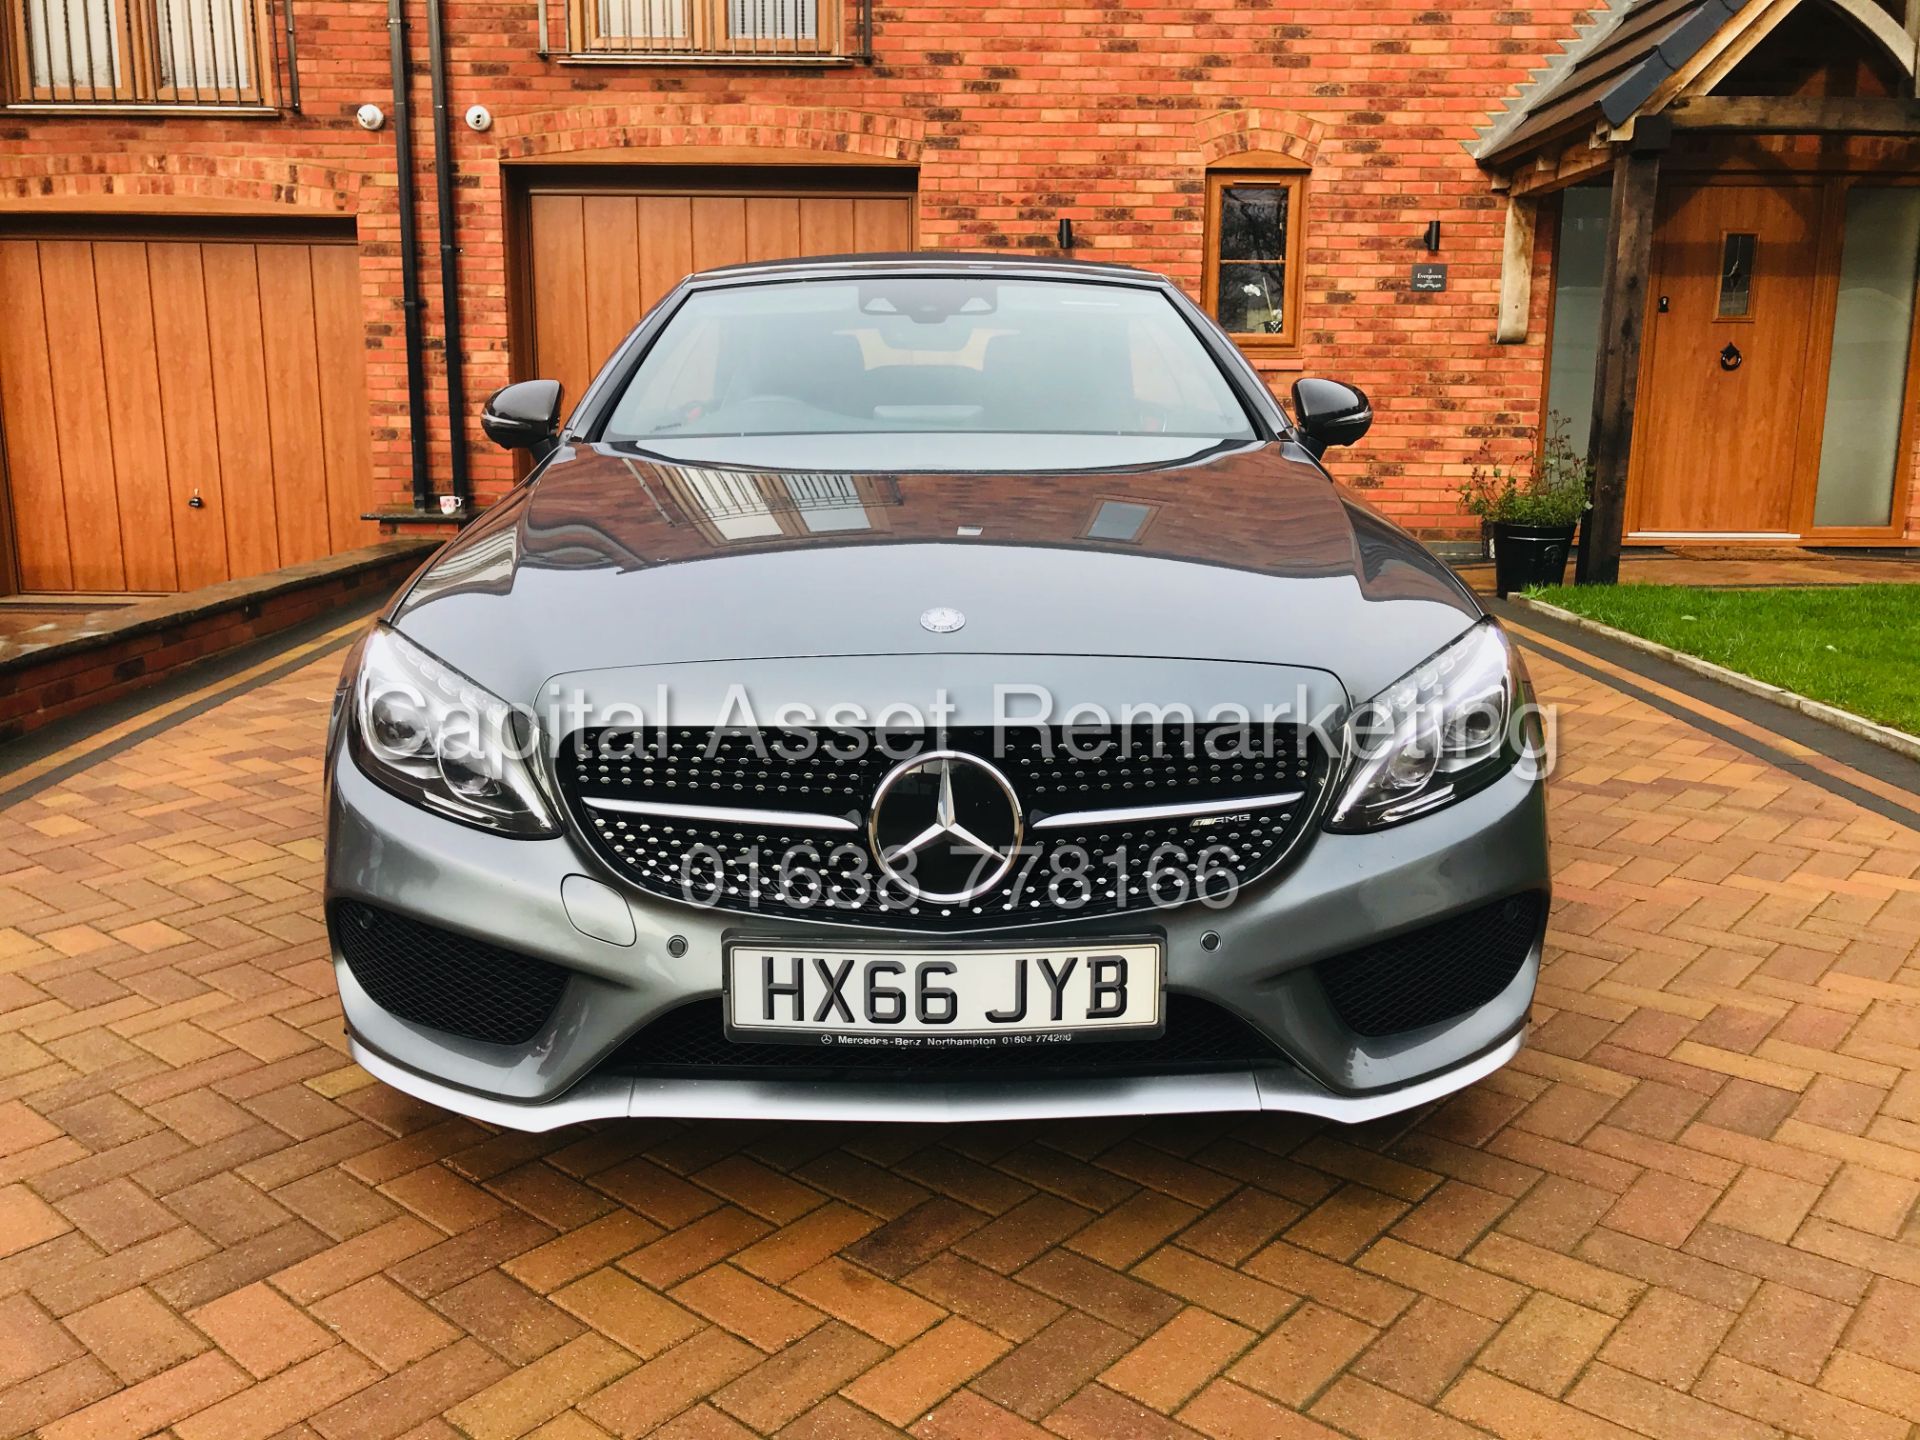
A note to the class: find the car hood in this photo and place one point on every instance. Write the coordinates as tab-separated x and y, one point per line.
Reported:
614	557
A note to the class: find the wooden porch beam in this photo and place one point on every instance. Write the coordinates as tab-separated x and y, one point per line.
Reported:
1583	160
1796	115
1703	73
1913	34
1516	272
1616	386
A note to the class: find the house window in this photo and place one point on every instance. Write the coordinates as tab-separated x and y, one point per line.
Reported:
732	507
1119	520
673	29
1252	277
773	19
643	24
140	52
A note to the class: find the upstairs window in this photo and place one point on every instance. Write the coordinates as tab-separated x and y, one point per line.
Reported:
135	53
1252	273
716	29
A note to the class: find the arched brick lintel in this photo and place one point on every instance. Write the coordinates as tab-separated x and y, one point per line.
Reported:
1228	133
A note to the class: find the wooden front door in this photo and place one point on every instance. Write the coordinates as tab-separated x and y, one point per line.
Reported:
148	367
1733	299
604	246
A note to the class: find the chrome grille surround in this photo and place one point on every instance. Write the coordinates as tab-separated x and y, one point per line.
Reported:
707	817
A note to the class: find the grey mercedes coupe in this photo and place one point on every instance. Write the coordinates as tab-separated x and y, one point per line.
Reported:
932	688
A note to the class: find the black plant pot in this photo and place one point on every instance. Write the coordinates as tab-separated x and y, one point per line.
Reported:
1528	555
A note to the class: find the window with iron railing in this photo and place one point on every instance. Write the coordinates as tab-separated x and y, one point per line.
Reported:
141	53
775	31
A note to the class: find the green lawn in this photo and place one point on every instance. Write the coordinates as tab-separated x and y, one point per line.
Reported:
1855	646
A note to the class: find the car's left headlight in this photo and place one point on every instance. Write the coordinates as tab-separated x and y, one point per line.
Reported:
429	734
1450	726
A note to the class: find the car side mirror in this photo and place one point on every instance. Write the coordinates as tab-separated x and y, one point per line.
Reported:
525	416
1330	413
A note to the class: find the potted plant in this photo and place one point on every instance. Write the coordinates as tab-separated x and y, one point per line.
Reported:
1532	511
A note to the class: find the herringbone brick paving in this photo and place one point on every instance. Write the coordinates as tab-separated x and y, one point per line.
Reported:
1687	1210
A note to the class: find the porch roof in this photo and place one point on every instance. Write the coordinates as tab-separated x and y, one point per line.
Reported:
1612	73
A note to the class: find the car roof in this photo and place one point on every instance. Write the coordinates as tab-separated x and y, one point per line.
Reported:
1031	265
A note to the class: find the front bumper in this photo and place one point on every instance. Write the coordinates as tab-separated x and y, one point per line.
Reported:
1340	893
612	1097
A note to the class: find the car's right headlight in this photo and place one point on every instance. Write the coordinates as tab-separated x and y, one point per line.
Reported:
429	734
1451	725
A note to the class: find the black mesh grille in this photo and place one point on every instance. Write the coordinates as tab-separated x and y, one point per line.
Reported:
1199	1037
1433	974
445	981
1133	866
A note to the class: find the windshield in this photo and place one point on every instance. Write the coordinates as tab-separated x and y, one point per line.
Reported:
927	355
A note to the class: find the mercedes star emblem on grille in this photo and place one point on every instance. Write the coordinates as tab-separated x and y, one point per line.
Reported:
942	620
945	826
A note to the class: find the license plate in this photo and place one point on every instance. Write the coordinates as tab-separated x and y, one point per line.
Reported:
943	998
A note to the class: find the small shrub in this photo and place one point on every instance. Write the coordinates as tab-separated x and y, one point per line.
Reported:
1553	489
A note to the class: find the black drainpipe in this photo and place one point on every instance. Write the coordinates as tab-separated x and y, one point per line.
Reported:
409	261
449	258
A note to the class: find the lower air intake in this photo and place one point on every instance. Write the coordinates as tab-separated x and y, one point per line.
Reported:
443	980
1436	973
1200	1037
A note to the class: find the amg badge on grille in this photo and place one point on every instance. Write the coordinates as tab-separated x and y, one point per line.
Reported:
942	620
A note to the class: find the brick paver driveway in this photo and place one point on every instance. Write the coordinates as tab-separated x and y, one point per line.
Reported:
1686	1211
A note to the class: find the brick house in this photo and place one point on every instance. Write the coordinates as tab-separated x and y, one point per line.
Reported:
204	359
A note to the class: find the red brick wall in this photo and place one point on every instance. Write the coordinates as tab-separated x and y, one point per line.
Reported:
1017	112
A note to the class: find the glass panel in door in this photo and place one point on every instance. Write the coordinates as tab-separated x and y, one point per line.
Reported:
1579	282
1872	332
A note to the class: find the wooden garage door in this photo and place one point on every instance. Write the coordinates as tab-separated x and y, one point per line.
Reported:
142	369
603	249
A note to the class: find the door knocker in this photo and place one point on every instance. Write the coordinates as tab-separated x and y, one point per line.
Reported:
1731	358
